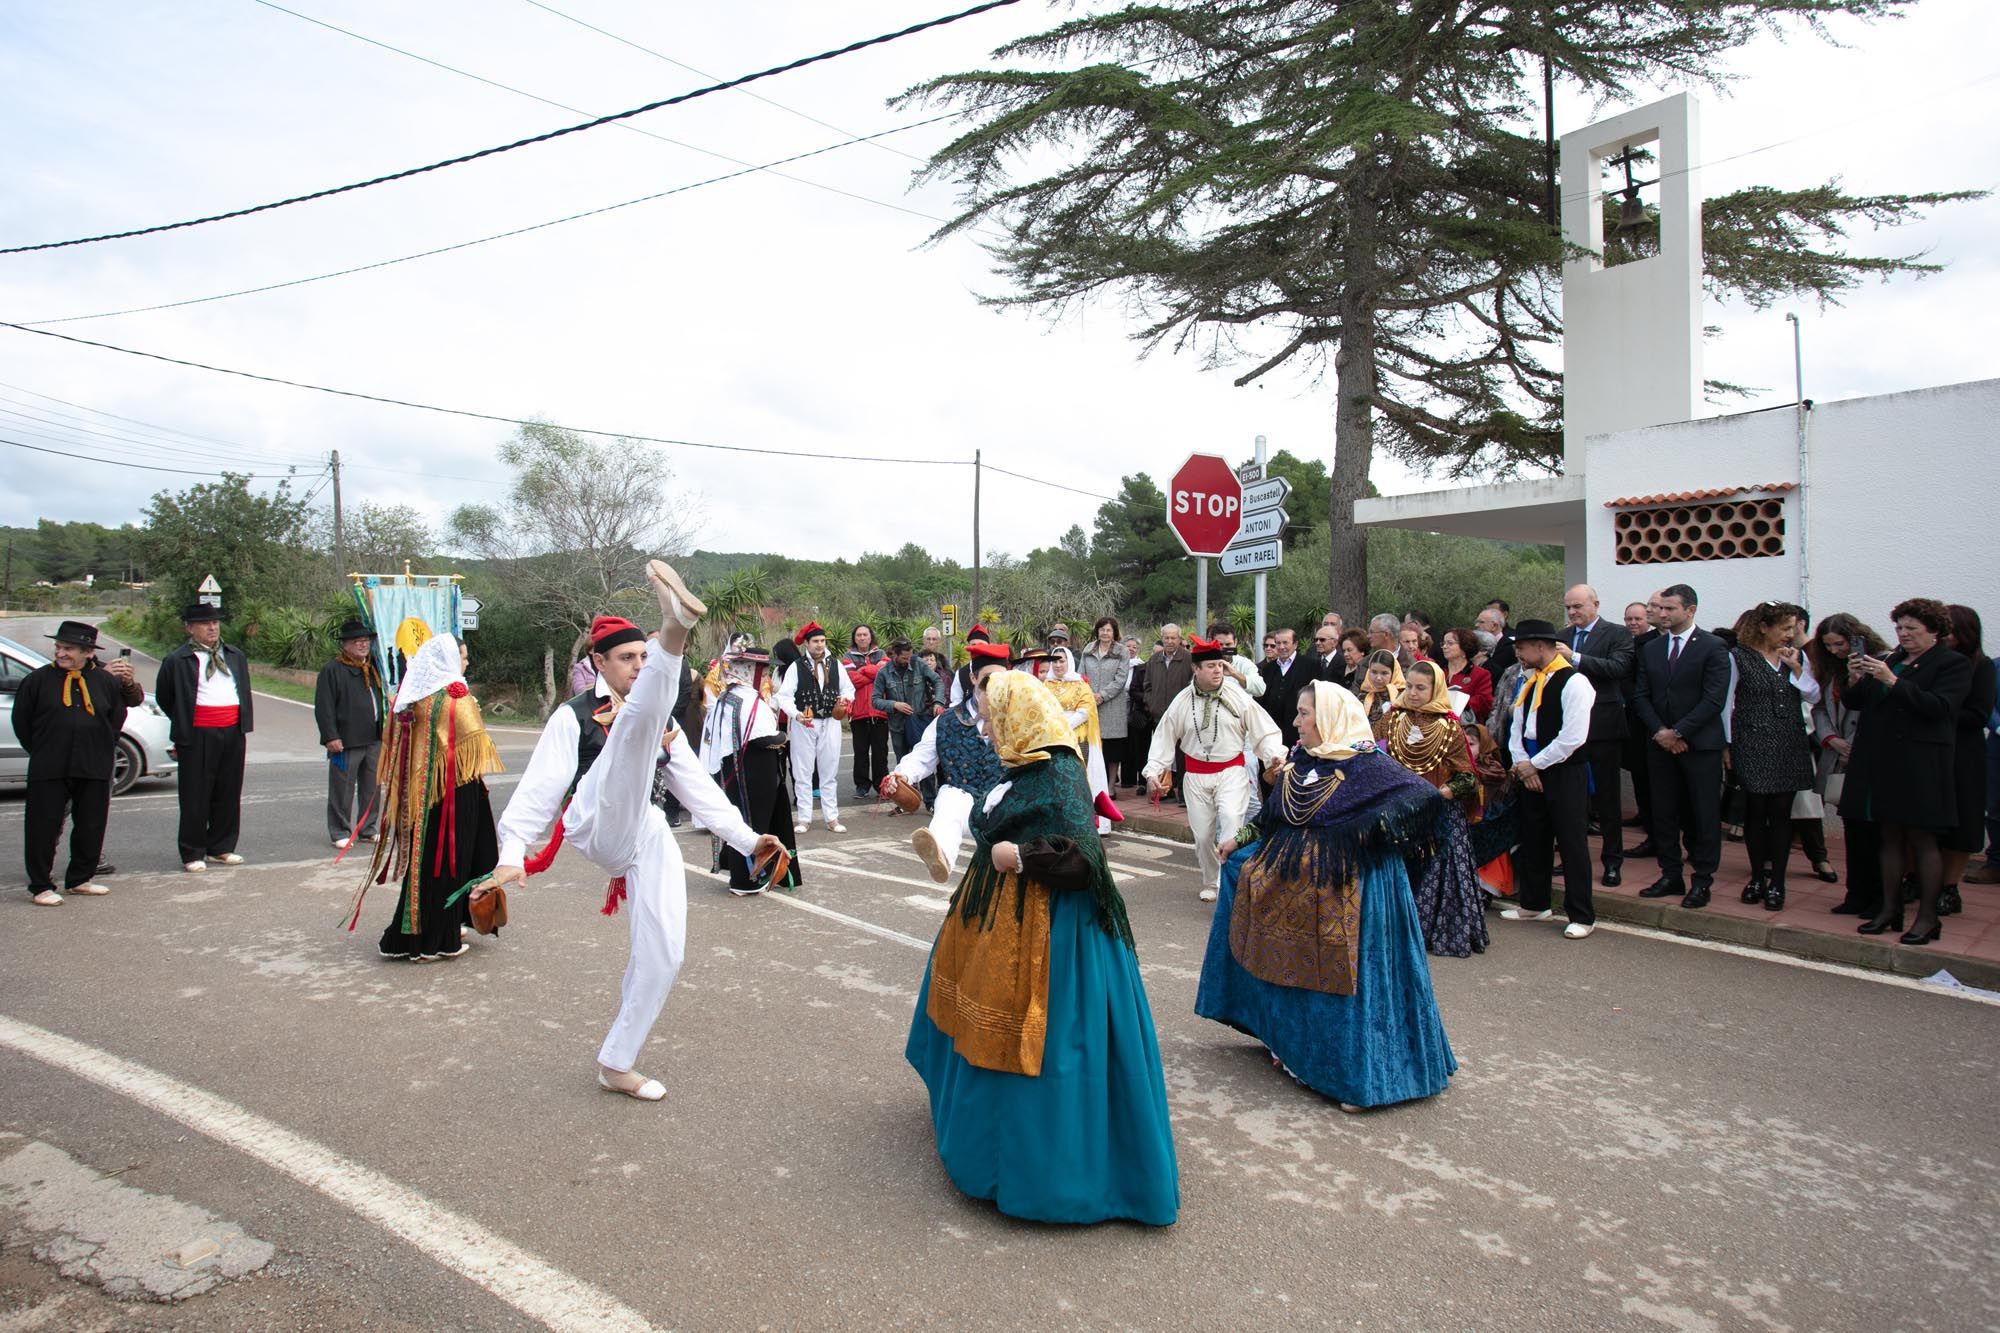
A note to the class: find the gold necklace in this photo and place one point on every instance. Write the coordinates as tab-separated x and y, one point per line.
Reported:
1293	811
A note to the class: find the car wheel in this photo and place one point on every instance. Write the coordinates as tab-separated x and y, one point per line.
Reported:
126	766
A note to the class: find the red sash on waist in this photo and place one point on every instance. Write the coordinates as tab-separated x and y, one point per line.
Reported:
215	715
1195	765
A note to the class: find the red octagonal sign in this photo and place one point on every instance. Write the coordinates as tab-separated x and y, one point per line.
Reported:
1205	504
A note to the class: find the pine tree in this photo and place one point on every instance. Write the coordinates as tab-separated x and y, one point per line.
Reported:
1356	184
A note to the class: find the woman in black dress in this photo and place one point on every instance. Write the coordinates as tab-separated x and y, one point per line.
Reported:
1835	723
1968	765
1769	750
1900	774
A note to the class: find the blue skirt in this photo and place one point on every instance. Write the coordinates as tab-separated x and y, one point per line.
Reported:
1383	1044
1086	1140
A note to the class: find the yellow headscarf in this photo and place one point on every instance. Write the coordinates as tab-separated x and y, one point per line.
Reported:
1440	688
1396	682
1024	719
1341	720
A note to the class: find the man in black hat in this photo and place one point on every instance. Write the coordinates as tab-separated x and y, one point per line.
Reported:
67	716
347	704
1551	731
204	689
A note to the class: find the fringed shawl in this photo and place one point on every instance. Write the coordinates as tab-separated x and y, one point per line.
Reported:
1296	920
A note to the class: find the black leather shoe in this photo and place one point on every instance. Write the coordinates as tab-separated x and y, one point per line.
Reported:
1847	907
1774	897
1697	897
1646	850
1753	892
1950	903
1666	886
1881	925
1928	937
1613	877
105	869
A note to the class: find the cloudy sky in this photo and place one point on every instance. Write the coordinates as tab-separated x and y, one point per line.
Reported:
795	312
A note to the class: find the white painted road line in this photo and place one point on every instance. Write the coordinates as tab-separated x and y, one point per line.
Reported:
846	920
1790	960
535	1288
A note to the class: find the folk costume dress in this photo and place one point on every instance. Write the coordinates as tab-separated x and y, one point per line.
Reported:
436	819
1079	703
955	749
592	772
1315	949
1431	743
744	748
1377	705
1032	1031
68	722
1222	734
815	693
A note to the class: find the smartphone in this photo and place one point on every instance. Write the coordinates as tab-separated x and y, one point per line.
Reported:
124	652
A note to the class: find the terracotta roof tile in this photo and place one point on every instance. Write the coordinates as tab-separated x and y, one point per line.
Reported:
1683	497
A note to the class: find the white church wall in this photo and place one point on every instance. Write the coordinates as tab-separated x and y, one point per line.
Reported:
1902	502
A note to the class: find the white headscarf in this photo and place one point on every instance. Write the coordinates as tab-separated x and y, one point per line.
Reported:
434	667
1341	720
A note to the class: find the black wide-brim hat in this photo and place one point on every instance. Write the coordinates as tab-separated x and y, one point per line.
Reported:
77	633
354	628
1530	630
200	611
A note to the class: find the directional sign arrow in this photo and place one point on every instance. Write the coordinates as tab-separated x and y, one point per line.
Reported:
1267	523
1267	494
1257	558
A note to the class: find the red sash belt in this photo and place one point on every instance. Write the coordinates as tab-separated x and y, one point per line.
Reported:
215	716
1195	765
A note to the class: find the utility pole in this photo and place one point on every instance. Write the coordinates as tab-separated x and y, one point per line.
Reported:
1549	139
7	579
977	471
1258	637
339	542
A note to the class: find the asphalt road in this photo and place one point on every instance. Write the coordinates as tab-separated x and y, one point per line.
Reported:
1642	1132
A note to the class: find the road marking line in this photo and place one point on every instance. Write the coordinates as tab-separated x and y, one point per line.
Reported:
842	917
1792	960
928	904
817	862
529	1284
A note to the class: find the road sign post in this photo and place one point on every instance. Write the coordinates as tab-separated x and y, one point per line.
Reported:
1258	546
210	592
468	612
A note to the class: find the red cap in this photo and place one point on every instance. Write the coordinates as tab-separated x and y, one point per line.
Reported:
978	634
607	632
1205	650
806	631
983	653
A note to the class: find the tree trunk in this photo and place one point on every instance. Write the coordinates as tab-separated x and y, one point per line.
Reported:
548	681
1354	413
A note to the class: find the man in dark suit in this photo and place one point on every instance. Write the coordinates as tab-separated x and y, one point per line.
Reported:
1328	662
1494	621
1640	618
1678	694
1284	676
1601	651
204	689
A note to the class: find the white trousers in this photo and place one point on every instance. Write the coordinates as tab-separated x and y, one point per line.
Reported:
818	744
612	820
1217	804
951	819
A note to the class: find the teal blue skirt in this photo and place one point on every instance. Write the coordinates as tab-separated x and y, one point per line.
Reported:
1086	1140
1383	1044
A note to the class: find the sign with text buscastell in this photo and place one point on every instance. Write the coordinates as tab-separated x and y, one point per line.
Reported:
1265	495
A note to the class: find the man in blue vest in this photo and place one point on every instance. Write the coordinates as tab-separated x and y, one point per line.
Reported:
957	750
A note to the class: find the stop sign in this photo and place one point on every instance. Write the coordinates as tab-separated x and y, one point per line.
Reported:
1205	504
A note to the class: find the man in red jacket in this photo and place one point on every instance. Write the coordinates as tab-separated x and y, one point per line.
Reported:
869	724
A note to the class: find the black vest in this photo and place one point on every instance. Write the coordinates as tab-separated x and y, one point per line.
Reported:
1549	717
589	734
810	694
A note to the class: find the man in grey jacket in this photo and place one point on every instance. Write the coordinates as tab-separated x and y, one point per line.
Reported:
347	704
909	692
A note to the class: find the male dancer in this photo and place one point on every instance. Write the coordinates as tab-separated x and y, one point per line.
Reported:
67	716
204	689
744	750
956	748
612	819
1218	728
816	694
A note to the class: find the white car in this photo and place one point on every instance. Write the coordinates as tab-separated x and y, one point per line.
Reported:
142	747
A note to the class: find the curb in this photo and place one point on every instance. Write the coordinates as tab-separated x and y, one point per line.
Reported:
1875	952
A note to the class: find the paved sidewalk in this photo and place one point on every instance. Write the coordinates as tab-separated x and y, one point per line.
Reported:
1807	928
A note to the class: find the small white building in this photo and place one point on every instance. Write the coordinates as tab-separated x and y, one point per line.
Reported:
1845	506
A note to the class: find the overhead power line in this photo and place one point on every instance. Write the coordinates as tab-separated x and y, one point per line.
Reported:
579	111
482	240
704	74
497	149
148	467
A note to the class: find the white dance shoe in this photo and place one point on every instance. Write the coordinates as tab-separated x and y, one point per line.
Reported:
632	1085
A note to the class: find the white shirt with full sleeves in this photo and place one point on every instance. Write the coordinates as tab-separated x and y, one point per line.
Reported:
1578	695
